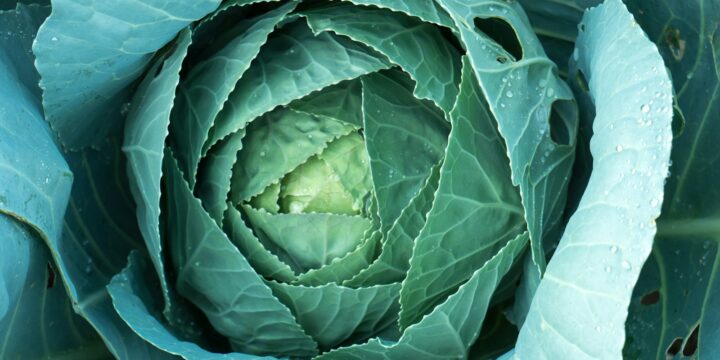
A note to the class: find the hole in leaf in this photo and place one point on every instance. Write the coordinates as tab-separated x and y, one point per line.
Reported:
582	81
502	33
562	117
692	342
650	298
675	43
50	276
501	59
674	347
582	27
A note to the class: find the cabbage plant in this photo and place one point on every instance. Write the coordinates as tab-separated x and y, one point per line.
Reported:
359	179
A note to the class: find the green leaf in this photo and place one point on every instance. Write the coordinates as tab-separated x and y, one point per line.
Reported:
33	302
418	48
215	175
449	330
208	84
265	263
268	200
292	64
315	187
334	314
476	210
135	298
100	230
396	121
348	159
308	241
342	102
345	267
90	55
394	259
34	195
581	304
684	265
426	10
214	276
29	159
145	131
285	139
556	24
533	106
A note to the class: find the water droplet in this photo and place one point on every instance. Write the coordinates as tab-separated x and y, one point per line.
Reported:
597	328
608	269
644	89
543	83
645	108
626	265
613	249
654	202
54	38
619	148
509	93
197	264
262	153
492	8
576	54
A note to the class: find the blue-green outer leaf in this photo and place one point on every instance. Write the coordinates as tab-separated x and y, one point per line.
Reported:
89	54
581	304
684	266
32	306
29	159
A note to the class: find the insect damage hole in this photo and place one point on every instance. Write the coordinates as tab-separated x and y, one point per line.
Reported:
561	121
650	298
691	342
503	34
674	347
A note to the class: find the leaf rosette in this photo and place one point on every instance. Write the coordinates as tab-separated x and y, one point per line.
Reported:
324	177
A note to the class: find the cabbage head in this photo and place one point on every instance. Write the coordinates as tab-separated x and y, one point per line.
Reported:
359	179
